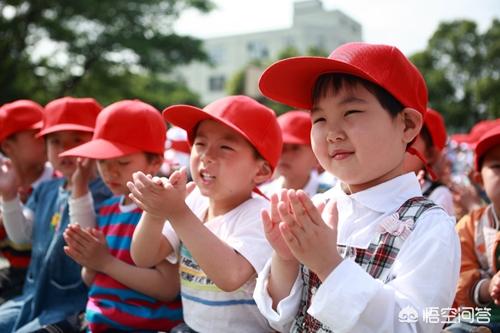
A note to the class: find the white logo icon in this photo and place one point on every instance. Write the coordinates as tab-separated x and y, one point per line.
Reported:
408	314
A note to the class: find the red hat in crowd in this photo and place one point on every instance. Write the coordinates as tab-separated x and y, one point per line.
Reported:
296	127
254	121
123	128
69	113
177	140
476	132
19	116
434	122
489	140
291	81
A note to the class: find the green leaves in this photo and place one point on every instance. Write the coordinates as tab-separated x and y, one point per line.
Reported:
462	69
58	47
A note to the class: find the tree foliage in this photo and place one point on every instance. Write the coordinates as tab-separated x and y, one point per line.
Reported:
462	69
105	49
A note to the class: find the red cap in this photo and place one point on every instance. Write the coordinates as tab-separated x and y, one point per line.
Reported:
291	81
124	128
296	127
254	121
68	113
434	122
177	140
19	116
481	128
489	140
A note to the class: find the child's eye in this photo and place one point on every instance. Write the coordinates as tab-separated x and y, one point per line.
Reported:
318	120
199	144
226	148
123	163
350	112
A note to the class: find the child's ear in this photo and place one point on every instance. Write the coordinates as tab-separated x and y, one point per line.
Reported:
413	121
264	173
477	177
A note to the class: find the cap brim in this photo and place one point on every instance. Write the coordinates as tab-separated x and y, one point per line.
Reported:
292	139
291	81
100	149
187	117
64	127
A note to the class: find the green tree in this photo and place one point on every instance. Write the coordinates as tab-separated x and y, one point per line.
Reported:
52	48
462	69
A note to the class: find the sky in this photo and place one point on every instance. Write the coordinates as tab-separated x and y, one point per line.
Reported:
403	23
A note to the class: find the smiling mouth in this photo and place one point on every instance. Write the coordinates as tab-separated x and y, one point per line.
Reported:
341	155
206	176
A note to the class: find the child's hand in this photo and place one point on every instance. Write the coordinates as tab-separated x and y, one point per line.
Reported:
87	247
271	221
9	181
494	288
84	173
160	197
312	241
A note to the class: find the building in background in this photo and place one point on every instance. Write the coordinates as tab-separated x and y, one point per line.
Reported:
313	27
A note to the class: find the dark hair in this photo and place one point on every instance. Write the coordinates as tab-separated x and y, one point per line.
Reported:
334	82
426	136
151	157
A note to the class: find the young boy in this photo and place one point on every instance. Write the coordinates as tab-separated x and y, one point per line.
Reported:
20	121
479	283
380	255
297	168
217	231
54	290
129	137
431	142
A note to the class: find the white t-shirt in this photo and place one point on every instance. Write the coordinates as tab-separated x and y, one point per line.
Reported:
206	307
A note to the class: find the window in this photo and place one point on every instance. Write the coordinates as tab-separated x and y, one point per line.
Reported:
216	83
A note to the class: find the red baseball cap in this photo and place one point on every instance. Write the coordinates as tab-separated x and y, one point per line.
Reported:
69	113
291	81
434	122
489	140
296	127
177	140
480	128
19	116
124	128
255	122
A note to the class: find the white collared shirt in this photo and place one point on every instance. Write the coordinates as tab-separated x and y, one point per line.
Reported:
426	269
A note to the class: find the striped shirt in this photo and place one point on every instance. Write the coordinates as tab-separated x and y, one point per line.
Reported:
113	305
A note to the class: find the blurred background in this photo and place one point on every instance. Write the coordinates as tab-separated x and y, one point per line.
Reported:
194	51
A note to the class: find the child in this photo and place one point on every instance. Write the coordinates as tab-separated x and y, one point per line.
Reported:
297	165
479	283
54	290
380	254
129	137
236	145
431	142
23	171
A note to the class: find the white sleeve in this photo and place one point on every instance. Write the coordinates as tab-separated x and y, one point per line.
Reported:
444	198
170	234
81	211
248	236
18	221
426	272
282	318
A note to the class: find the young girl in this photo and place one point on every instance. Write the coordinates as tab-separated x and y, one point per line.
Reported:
129	137
217	230
379	256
